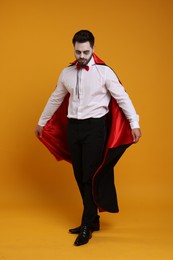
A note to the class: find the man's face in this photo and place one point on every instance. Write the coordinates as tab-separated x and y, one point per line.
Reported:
83	52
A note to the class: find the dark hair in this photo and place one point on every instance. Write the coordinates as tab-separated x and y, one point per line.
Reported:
83	36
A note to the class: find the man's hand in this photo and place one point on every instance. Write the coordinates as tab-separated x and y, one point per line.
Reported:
38	131
136	133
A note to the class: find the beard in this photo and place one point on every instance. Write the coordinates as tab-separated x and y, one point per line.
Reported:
83	62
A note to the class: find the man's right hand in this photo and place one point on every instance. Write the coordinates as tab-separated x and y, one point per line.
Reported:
38	131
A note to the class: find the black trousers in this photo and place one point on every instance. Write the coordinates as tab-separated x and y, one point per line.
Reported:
86	140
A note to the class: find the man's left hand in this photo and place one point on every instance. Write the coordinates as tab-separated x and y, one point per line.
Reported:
136	133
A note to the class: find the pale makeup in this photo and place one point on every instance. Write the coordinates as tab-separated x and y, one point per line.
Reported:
83	52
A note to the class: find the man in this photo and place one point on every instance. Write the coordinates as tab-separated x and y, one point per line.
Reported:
91	90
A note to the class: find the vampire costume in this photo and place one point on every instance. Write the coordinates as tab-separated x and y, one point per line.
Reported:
118	139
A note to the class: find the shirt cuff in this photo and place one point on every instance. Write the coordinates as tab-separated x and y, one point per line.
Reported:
41	122
134	124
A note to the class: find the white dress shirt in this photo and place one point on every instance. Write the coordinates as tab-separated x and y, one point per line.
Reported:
90	94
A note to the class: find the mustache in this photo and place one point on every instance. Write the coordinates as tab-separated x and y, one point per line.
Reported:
82	59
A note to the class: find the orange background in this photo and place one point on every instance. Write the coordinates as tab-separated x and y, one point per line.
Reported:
135	39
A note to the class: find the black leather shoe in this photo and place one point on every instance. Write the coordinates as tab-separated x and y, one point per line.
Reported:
75	230
84	236
95	227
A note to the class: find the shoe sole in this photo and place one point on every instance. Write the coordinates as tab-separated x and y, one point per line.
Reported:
93	230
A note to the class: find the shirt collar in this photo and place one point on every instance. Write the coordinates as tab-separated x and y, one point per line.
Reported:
91	62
